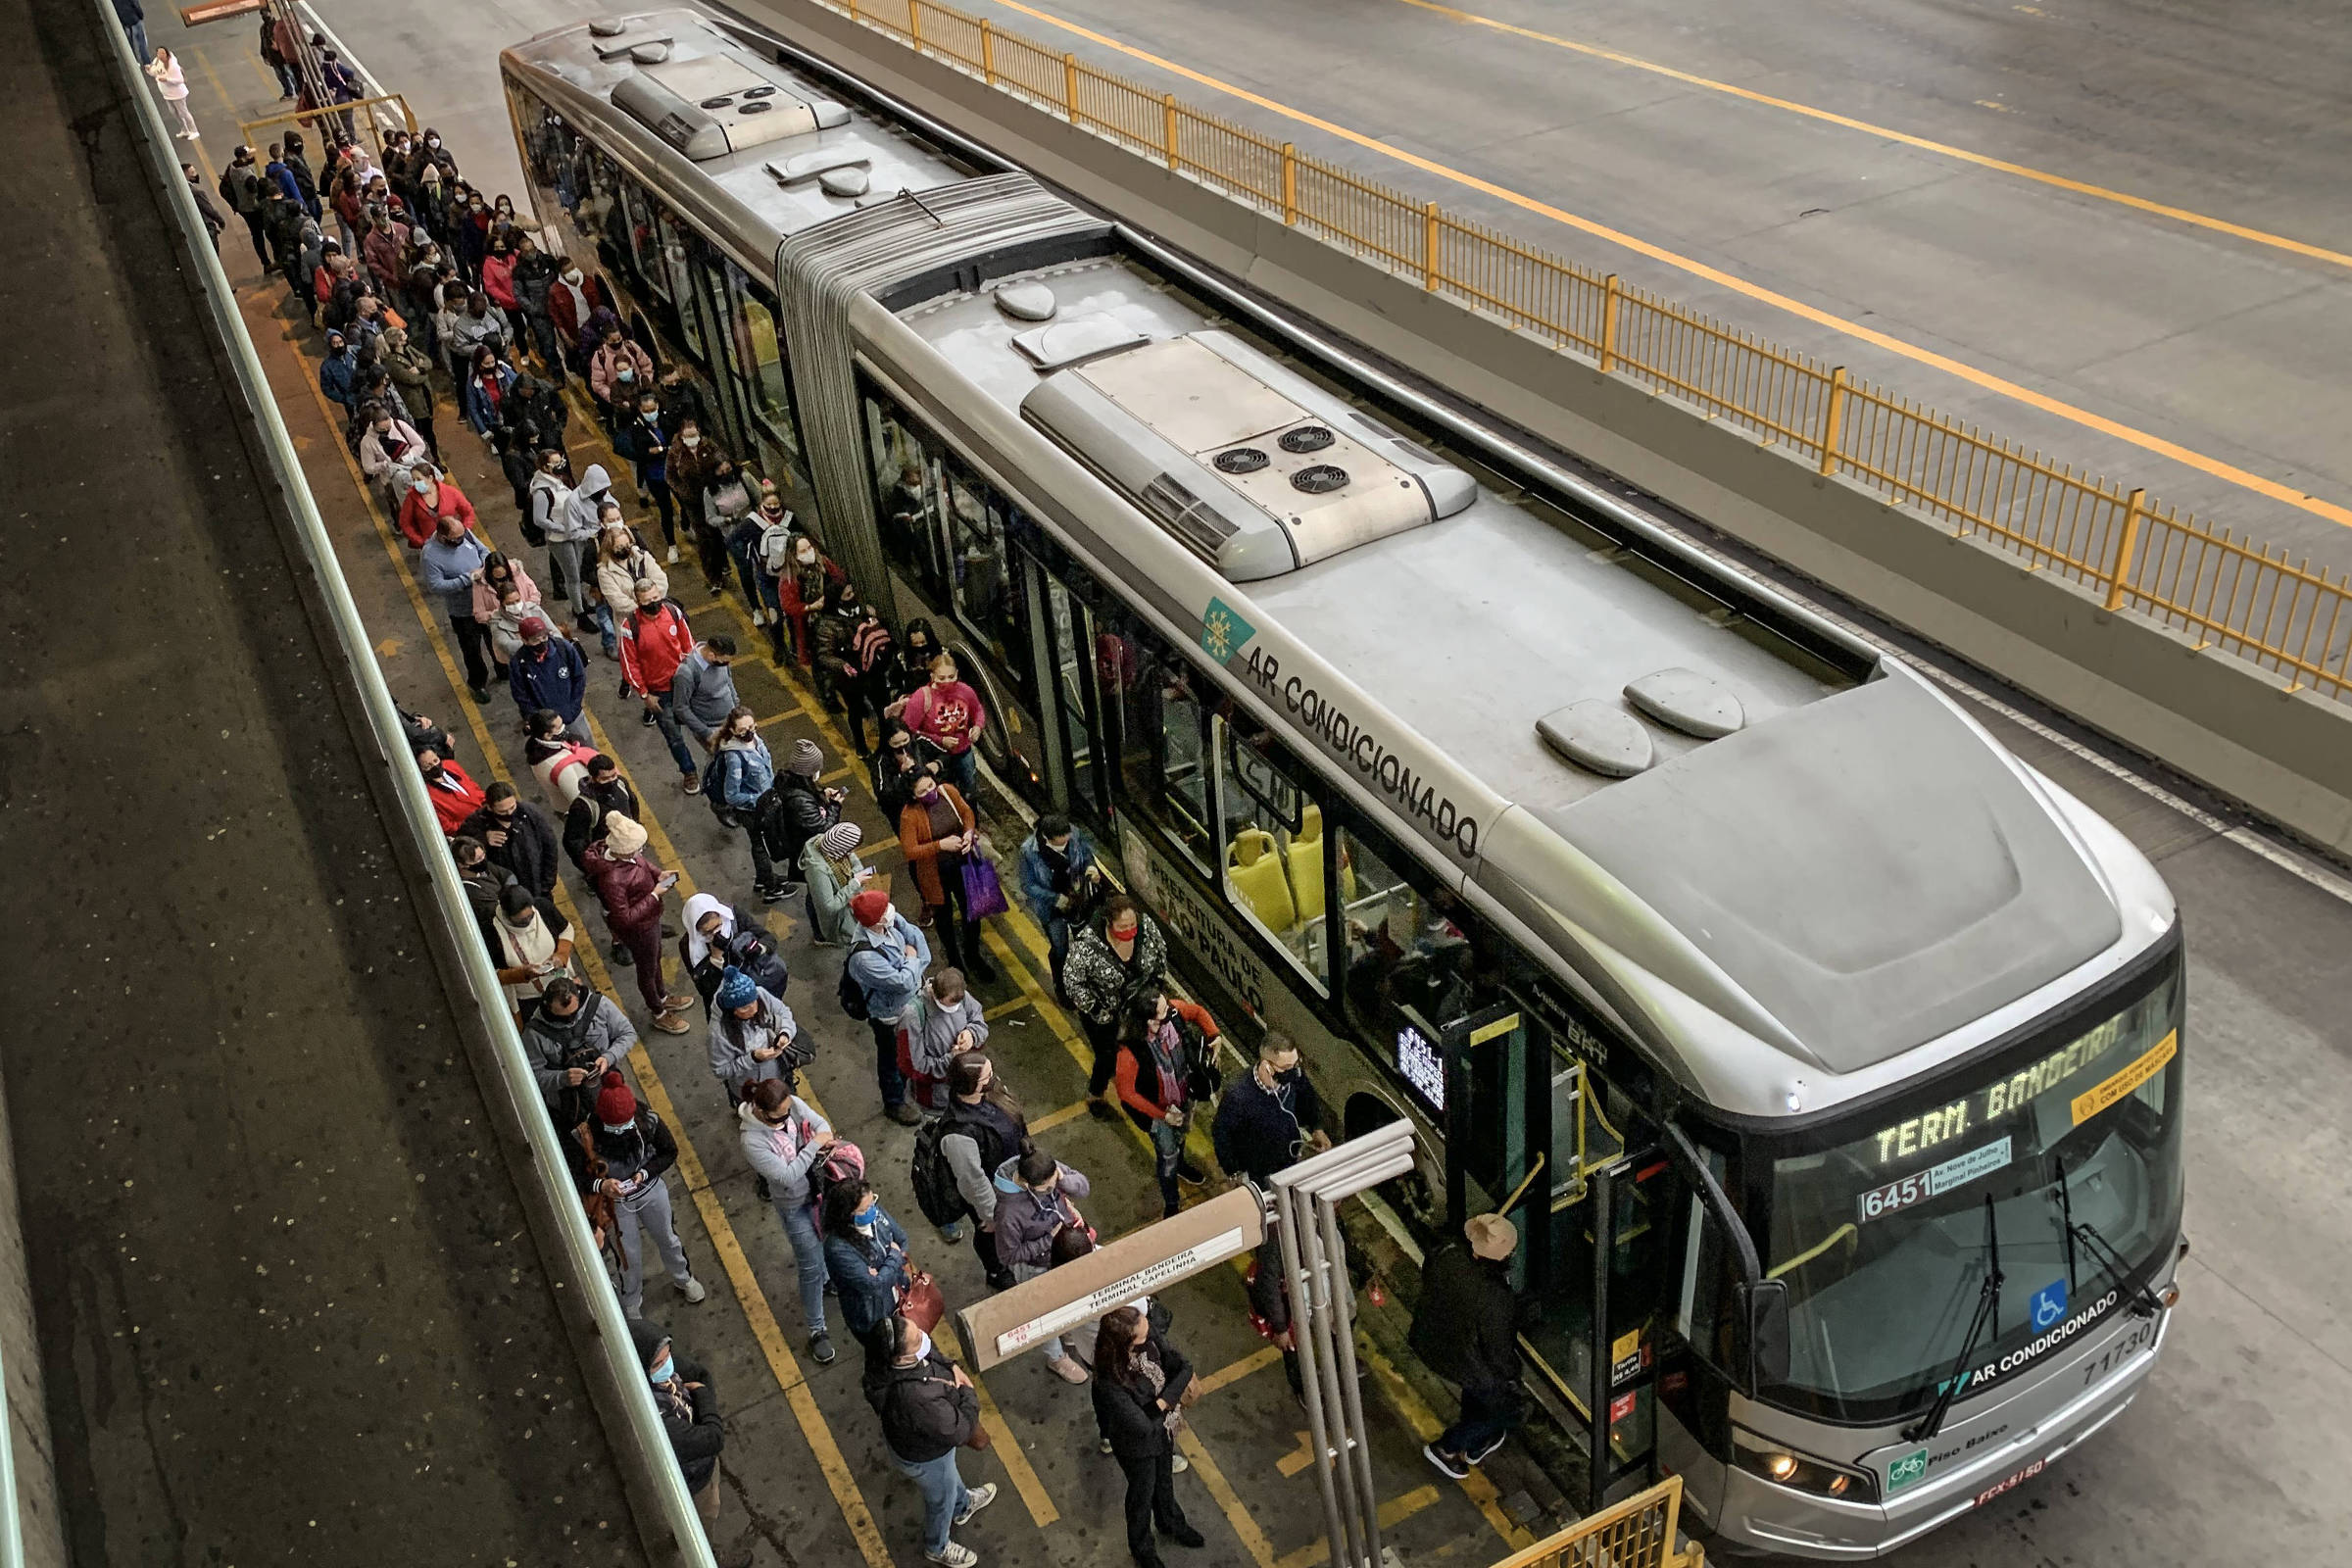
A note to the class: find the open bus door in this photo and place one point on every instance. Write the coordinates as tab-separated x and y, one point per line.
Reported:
1532	1131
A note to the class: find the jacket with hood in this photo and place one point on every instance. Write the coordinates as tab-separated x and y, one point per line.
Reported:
743	942
1026	1222
604	370
786	1154
868	1270
931	1032
702	693
486	597
626	887
689	1415
745	771
979	1140
884	974
551	509
591	804
455	796
829	894
653	644
925	1412
529	851
1043	880
733	1039
581	506
618	582
554	675
642	1153
598	1028
411	370
386	457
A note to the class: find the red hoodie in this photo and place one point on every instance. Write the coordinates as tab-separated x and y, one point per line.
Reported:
455	797
651	647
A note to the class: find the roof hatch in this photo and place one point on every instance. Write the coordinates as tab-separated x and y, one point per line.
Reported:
713	105
1253	468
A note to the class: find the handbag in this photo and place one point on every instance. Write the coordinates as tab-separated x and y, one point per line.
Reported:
982	894
921	1302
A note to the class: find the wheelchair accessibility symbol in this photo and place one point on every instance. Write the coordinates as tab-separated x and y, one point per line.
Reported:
2049	1306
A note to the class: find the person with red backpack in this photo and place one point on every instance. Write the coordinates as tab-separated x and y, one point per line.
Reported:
654	643
785	1142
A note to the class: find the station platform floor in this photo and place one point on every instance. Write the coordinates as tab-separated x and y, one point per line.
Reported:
286	1305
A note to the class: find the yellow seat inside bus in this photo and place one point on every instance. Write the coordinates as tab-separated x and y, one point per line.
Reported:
1254	869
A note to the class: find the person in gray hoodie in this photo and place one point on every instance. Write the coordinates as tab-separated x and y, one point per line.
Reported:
784	1140
1033	1206
944	1022
582	518
551	498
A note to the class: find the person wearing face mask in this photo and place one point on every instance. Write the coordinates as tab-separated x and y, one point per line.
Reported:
549	510
929	1410
950	715
572	301
938	832
338	374
886	962
388	452
498	282
982	1126
834	874
946	1022
897	763
623	565
800	577
643	437
483	394
448	564
630	888
799	807
1034	1204
503	594
431	499
570	1041
865	1253
471	224
783	1140
1270	1118
483	882
517	836
531	946
681	398
1113	962
637	1150
653	644
1140	1386
910	668
688	471
851	643
1167	1069
690	1418
455	796
730	519
409	369
742	772
718	938
617	371
298	166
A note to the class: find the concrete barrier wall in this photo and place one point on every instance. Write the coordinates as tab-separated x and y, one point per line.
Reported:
2216	719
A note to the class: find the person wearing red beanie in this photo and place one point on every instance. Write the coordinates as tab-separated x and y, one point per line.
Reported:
633	1150
887	957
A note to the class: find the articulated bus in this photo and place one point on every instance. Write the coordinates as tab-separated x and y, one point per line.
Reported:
1827	1056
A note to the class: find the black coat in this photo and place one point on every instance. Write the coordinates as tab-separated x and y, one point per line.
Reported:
1128	1412
695	1439
584	821
794	811
1466	1326
530	848
925	1412
1254	1135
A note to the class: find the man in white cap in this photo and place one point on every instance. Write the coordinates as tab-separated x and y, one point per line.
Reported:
1467	1329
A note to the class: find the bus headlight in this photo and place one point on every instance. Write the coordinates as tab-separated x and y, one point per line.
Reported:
1799	1472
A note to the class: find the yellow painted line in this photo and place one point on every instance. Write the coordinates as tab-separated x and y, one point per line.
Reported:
1056	1119
2145	441
739	1276
1229	1502
2041	176
1002	1008
793	712
1393	1512
1299	1459
838	774
1001	1442
1255	1362
1426	1425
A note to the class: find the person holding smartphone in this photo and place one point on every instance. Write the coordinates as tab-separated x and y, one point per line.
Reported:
630	888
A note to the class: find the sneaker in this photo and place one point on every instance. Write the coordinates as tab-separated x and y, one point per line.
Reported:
694	1291
620	957
975	1499
781	892
1185	1536
1068	1370
1446	1463
820	1348
646	718
905	1115
693	781
627	691
669	1023
480	694
675	1002
1189	1172
1479	1457
1106	1446
955	1555
673	555
1178	1464
952	1231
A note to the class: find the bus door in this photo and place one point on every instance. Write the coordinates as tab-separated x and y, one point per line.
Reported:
1533	1132
1072	709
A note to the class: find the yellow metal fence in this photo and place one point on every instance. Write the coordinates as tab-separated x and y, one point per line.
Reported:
1637	1533
2134	553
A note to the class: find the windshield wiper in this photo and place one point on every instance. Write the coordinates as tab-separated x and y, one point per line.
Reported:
1984	1325
2143	1300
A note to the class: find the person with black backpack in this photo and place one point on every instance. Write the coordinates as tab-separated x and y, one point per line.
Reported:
958	1153
798	809
575	1037
718	938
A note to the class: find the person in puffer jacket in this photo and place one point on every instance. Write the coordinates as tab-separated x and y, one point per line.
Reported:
1033	1205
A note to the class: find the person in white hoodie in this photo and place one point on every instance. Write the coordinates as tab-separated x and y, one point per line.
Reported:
783	1140
567	542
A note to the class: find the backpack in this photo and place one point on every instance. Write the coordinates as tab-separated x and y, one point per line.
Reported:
871	644
849	993
755	953
935	1190
844	1161
711	781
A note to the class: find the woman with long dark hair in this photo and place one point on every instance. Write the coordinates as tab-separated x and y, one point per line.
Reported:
1139	1380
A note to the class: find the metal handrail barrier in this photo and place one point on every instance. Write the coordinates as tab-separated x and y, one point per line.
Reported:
2133	554
1637	1533
577	1265
383	112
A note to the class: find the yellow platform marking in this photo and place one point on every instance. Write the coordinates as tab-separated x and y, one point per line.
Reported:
1299	1459
1054	1119
1001	1442
1257	1361
1229	1502
1393	1512
2269	488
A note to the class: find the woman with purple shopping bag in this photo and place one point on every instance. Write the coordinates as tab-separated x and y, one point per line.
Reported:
942	840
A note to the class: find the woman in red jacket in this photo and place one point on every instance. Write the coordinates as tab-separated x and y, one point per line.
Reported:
630	888
432	496
498	281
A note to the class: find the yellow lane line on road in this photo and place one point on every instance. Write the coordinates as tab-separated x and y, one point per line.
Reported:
2260	485
1942	149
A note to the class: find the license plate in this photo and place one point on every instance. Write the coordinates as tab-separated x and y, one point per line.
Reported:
2015	1480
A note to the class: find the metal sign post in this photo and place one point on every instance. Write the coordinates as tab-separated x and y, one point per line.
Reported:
1314	1258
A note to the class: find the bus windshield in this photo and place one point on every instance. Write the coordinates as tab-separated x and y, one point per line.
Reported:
2062	1170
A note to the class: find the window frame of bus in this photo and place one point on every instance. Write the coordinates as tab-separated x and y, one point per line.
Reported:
746	290
1285	765
927	572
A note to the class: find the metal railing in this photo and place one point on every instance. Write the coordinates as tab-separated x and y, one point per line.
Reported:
372	118
2130	553
1637	1533
673	1536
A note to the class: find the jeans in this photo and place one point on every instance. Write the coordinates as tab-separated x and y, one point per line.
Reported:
764	865
808	1259
473	638
1488	1411
963	769
1167	1149
1150	1500
290	80
886	1062
647	1210
668	722
944	1497
607	631
137	32
1104	1038
565	560
655	489
1057	947
959	939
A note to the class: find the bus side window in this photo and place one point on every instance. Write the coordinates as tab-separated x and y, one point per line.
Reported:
981	570
770	400
906	493
1273	851
1163	759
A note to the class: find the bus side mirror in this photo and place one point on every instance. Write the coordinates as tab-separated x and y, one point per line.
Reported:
1767	1333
